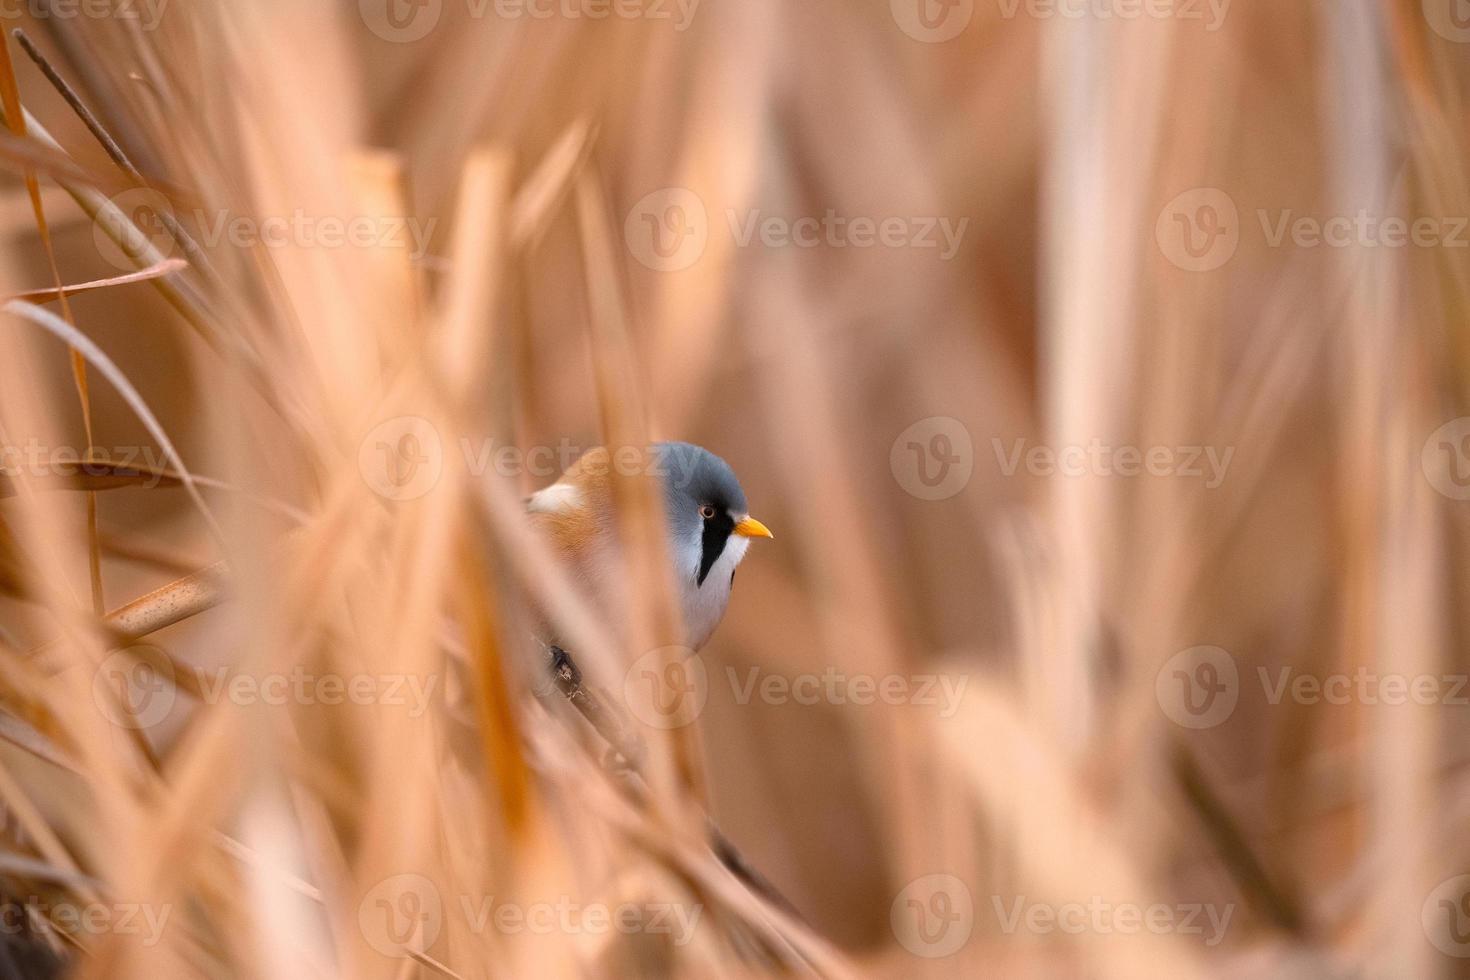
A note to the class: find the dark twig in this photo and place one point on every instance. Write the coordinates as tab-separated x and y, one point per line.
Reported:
626	759
95	78
628	749
197	258
78	106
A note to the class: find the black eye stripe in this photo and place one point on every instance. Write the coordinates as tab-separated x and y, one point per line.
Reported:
717	531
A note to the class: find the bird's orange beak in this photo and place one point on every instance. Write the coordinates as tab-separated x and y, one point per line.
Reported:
752	528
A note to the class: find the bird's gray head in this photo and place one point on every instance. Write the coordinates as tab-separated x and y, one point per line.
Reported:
704	502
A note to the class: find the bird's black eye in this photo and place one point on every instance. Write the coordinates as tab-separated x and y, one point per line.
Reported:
707	512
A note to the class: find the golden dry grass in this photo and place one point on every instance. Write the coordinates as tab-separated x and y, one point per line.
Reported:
270	704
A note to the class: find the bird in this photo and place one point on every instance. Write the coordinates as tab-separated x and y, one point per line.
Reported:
708	529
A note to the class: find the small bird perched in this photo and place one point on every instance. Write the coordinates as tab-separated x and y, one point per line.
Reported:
707	526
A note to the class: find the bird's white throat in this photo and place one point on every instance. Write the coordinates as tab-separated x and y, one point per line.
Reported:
704	605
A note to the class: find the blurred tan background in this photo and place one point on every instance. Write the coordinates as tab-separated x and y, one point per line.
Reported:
1122	184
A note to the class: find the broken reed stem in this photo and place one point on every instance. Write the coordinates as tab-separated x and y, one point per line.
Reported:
165	268
173	603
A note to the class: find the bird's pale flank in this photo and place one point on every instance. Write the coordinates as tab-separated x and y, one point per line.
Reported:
708	529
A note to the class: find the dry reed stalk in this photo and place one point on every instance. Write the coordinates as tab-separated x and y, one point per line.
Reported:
378	837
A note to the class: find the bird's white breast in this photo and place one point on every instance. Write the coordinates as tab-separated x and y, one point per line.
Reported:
704	605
